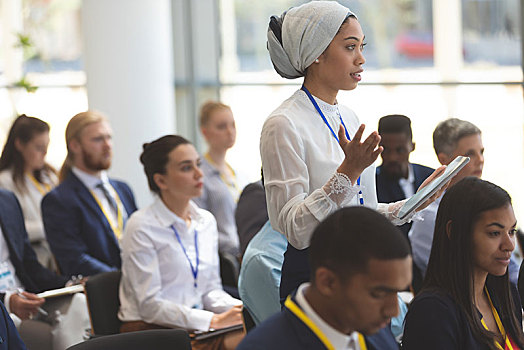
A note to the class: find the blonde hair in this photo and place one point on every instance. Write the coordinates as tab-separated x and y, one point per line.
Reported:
208	109
73	130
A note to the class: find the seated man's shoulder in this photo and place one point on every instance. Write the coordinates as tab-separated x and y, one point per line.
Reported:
6	195
120	183
62	193
279	332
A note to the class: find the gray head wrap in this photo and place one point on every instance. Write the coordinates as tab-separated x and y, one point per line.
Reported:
300	35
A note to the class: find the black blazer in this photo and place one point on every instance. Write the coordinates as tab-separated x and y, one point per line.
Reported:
434	321
389	190
9	337
77	231
287	332
34	277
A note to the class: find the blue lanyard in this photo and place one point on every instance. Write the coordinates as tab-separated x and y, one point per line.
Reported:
194	269
360	196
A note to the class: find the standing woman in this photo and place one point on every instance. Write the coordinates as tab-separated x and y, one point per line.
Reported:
170	266
467	301
23	170
311	168
221	186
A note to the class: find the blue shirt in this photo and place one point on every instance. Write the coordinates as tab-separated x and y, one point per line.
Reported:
259	280
217	199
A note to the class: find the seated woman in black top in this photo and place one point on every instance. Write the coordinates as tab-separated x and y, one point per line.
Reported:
467	301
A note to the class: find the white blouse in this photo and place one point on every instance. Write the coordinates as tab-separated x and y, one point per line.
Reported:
300	158
30	200
157	281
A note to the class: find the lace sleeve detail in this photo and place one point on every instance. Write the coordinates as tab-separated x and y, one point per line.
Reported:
391	210
340	189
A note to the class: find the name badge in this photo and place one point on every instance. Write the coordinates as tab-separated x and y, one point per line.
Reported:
7	280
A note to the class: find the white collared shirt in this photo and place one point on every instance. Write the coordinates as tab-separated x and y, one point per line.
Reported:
157	281
91	182
4	257
340	341
408	185
300	158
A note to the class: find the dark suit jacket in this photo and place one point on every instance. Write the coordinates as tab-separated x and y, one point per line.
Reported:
77	231
434	321
34	277
287	332
389	190
9	337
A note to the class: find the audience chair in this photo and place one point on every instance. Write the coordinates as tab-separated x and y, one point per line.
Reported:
158	339
229	269
249	323
103	302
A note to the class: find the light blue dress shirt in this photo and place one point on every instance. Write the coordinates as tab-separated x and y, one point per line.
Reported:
259	280
217	199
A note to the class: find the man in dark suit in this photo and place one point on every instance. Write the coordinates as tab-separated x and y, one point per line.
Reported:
22	271
9	337
397	178
84	216
359	261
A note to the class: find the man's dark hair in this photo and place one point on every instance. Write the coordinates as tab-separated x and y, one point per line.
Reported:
349	238
395	124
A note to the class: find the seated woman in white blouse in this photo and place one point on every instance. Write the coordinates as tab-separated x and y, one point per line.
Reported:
170	266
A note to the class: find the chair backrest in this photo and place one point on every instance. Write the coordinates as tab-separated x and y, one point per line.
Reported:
249	323
158	339
103	302
229	269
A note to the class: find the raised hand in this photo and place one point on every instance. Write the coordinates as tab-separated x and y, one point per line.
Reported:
358	155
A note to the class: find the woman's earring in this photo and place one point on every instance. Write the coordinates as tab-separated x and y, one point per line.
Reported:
317	61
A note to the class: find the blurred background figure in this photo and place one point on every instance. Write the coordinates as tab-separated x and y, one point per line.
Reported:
24	171
221	185
397	178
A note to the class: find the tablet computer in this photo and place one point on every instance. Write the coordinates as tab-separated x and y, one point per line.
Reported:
200	335
423	195
77	288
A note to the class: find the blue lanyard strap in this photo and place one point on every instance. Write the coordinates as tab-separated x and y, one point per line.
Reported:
194	269
323	117
360	196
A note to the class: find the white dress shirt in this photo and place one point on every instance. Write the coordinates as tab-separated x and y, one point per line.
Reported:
408	185
29	200
421	235
340	341
300	158
157	281
4	258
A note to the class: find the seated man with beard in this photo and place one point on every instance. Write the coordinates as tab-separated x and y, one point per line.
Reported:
84	216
